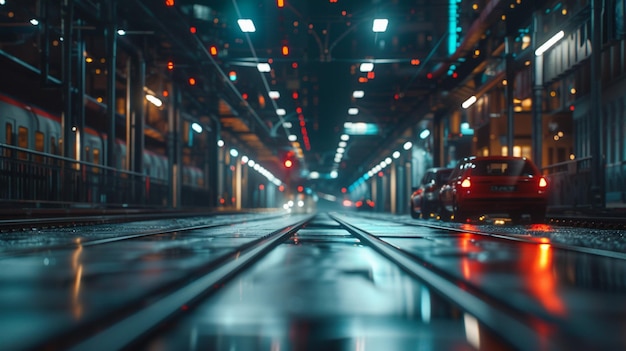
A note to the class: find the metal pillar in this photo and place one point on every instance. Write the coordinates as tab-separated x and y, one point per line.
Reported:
111	40
68	120
510	78
596	133
173	146
537	81
79	104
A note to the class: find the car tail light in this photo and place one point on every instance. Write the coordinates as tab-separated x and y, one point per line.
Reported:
543	182
466	183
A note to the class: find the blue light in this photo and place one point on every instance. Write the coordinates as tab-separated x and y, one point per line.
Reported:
452	32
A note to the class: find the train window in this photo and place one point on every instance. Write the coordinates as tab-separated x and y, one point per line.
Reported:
22	141
96	159
9	138
39	140
87	154
53	146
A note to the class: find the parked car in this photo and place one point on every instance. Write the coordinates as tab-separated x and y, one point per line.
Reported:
494	186
425	198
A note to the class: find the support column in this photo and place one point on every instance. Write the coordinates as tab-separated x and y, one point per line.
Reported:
111	40
597	190
510	79
68	117
537	81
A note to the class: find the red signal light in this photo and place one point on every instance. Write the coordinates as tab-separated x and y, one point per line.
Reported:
193	30
169	3
429	76
300	188
288	163
192	81
170	65
295	95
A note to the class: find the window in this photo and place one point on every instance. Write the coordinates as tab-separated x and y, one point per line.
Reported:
39	145
22	141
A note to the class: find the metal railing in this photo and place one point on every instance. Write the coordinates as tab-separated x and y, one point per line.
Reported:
42	179
570	184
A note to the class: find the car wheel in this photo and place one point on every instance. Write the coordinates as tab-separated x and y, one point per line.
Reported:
426	211
414	214
459	215
444	214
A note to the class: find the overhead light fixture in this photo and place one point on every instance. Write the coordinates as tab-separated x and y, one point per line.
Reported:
353	111
407	145
196	127
246	25
469	102
292	137
154	100
357	94
121	32
424	134
34	22
281	111
345	137
367	67
264	67
274	95
548	44
380	25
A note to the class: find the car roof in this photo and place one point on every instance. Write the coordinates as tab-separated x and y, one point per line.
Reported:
494	158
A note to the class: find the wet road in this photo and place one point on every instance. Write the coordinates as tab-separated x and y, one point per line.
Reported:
322	288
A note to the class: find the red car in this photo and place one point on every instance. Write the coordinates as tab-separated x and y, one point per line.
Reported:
425	199
494	186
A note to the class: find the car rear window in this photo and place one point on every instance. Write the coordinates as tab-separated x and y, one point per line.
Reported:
498	168
442	176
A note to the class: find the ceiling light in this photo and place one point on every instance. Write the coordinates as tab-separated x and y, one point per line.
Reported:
469	102
292	137
367	67
273	94
281	111
246	25
121	32
345	137
353	111
548	44
34	22
424	134
407	145
196	127
334	174
234	152
343	144
154	100
380	25
263	67
396	154
357	94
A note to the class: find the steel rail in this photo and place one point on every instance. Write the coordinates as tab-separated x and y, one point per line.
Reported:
137	325
514	330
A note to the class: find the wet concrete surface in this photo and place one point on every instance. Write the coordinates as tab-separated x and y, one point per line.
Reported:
323	290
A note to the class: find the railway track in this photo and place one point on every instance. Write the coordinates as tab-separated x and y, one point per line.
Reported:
323	281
